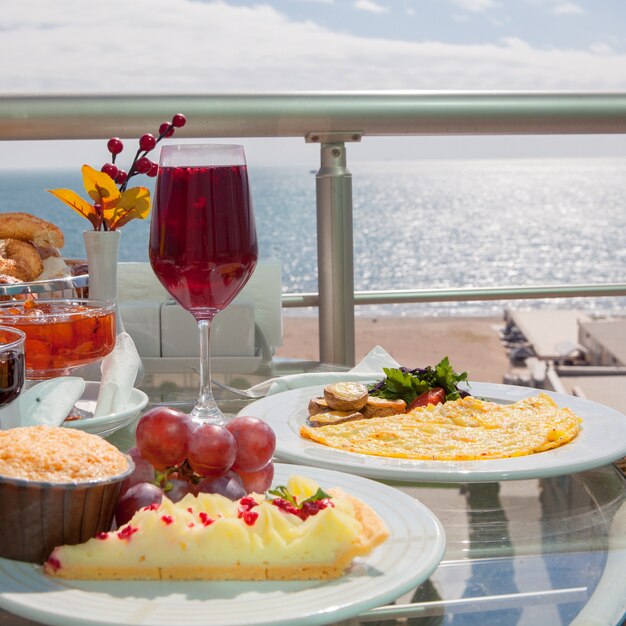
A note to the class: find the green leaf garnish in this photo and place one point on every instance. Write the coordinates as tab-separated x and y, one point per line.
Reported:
402	383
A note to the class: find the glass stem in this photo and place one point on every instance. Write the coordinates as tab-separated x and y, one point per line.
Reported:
206	409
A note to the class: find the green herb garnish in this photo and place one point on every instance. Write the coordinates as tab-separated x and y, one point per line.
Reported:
405	384
282	492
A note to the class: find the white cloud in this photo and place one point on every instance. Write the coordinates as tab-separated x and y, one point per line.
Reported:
369	6
476	6
568	8
182	46
601	48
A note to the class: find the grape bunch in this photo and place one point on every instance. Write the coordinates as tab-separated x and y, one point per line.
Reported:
141	163
176	456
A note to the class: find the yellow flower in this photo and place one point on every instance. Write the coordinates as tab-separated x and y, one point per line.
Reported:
111	209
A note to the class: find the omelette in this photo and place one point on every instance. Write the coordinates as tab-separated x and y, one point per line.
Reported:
459	430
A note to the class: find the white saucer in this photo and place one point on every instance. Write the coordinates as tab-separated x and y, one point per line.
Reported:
106	424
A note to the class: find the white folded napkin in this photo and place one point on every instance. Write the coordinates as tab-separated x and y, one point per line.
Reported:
47	403
119	371
50	402
370	368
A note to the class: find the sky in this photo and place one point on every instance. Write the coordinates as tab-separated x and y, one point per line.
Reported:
242	46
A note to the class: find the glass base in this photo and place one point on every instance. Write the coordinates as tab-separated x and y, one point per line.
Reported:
208	415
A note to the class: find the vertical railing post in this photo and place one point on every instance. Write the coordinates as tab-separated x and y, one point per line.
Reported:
335	256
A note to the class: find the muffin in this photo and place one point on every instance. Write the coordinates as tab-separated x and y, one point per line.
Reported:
57	486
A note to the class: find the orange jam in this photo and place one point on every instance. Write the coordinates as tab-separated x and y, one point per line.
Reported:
61	334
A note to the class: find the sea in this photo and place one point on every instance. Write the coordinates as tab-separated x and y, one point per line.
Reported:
417	225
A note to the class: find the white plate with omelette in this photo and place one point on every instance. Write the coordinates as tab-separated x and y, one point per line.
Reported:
600	441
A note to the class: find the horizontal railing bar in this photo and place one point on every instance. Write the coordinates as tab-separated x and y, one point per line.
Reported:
96	116
406	296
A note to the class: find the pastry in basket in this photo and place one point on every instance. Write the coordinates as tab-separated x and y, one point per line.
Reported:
20	259
27	227
295	532
29	248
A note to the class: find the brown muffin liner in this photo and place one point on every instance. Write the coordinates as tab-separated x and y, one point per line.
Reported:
35	517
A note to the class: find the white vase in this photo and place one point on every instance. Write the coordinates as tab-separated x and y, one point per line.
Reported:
102	249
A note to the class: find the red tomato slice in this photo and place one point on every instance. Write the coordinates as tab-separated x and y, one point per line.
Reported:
436	395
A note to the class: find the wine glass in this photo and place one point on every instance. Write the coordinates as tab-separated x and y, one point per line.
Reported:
203	244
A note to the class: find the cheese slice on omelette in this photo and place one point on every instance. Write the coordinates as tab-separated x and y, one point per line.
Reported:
460	430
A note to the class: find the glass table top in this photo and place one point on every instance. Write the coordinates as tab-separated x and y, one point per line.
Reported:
548	551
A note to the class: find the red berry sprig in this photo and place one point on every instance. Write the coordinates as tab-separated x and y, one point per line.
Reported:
141	163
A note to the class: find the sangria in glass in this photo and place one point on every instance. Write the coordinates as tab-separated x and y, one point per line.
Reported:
203	243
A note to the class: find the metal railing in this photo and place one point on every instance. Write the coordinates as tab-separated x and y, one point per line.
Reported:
333	120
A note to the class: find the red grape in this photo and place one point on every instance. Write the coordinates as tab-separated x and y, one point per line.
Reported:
211	450
259	481
162	435
143	472
142	494
229	486
176	489
256	443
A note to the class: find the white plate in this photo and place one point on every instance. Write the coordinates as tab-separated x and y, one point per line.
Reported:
406	559
106	424
601	441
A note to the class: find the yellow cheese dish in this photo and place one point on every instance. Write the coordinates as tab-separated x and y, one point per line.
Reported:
465	429
209	537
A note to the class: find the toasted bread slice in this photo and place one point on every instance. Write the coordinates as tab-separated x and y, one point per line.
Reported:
334	417
381	407
318	405
348	396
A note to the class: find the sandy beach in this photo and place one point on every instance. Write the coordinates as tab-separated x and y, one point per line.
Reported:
471	343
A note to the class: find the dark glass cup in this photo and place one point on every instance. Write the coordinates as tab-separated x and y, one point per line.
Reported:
12	364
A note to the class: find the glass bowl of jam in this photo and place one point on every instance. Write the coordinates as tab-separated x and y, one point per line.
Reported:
61	334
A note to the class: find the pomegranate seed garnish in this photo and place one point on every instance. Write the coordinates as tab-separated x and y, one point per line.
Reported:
205	519
247	502
102	536
152	507
127	532
167	519
249	517
54	563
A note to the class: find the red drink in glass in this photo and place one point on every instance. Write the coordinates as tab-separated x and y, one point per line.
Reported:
203	244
